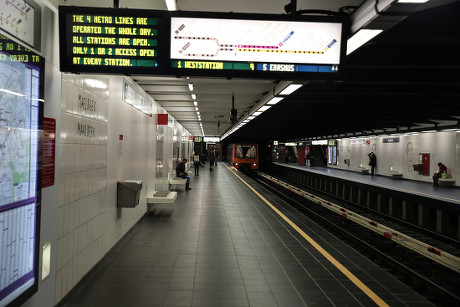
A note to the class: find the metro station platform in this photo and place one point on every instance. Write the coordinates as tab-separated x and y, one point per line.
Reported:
222	244
425	189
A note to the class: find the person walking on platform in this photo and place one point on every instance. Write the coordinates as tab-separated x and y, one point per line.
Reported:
439	174
372	162
180	172
212	158
196	163
217	157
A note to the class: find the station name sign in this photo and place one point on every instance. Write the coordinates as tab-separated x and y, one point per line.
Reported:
126	41
108	40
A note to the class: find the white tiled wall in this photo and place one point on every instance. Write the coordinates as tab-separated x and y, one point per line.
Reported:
83	178
92	161
442	147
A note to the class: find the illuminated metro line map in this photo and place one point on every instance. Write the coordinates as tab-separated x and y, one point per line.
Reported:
17	18
19	123
18	128
255	40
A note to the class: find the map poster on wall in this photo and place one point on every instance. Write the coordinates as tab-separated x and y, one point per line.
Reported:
21	90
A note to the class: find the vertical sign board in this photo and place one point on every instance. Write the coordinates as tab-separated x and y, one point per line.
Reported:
106	40
49	151
21	115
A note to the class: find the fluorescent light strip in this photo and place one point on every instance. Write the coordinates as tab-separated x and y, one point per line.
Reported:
190	87
264	108
256	113
360	38
193	96
413	1
251	117
291	89
275	100
195	103
171	5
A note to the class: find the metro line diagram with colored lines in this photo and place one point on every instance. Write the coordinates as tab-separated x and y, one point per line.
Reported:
17	18
260	41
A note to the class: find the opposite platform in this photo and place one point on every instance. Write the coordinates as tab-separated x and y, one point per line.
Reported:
424	189
223	245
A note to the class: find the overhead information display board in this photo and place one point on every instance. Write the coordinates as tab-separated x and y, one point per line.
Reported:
124	41
109	40
262	46
255	41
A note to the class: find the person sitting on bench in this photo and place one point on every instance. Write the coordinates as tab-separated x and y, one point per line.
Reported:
180	172
442	170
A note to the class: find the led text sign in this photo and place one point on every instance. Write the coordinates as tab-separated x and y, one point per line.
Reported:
114	40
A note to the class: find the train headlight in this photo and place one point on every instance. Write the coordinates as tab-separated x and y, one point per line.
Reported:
236	163
255	164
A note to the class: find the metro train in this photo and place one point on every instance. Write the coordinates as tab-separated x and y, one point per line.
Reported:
243	156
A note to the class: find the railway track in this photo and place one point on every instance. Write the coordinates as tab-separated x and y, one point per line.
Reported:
425	260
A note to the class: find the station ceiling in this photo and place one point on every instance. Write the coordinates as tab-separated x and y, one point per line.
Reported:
407	77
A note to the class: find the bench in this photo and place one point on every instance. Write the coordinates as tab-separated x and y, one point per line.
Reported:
446	181
395	174
363	170
160	197
168	197
178	181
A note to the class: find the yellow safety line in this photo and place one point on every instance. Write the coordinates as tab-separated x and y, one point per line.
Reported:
318	247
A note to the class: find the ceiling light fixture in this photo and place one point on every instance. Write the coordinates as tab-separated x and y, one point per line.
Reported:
291	89
257	113
413	1
190	87
360	38
195	103
275	100
171	5
193	96
264	108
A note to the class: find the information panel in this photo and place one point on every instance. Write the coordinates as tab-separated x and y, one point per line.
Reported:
109	40
20	175
269	46
125	41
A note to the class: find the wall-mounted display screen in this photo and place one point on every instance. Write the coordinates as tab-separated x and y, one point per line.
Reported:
21	118
262	46
109	40
255	41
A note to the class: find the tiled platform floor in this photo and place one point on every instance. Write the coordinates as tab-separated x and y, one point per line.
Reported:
221	245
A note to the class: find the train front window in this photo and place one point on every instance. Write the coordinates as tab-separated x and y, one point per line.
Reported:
246	151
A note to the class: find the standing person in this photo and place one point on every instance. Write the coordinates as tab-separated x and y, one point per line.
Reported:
217	156
307	156
196	163
442	170
212	158
180	172
372	162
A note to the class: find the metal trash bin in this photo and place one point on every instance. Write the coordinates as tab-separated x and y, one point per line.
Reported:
128	192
